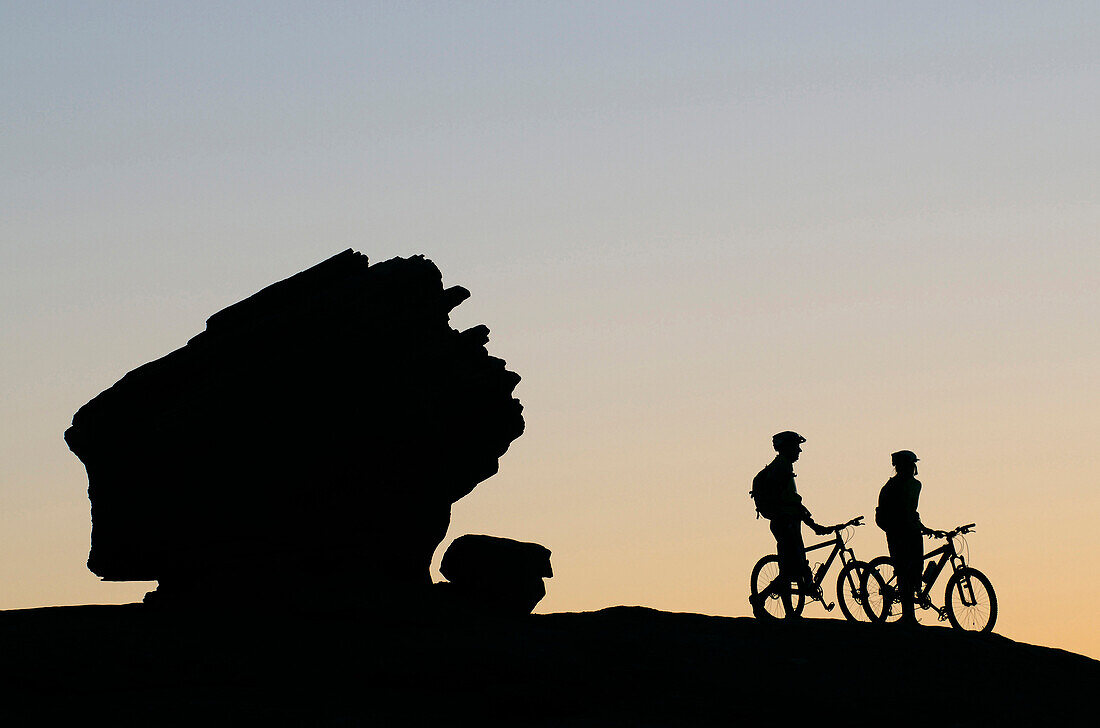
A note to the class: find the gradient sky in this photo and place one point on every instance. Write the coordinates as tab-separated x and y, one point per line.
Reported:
688	226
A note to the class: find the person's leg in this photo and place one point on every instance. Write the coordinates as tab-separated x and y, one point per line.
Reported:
792	552
782	581
787	548
899	554
915	549
779	531
908	611
906	554
805	576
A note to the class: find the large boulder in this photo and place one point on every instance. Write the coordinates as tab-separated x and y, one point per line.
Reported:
310	441
495	576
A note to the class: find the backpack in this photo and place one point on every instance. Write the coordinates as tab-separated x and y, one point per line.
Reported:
763	494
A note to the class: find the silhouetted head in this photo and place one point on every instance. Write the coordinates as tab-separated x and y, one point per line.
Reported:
905	462
788	444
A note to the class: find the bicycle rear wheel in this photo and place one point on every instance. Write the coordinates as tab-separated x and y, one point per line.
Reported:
851	594
880	585
971	601
780	602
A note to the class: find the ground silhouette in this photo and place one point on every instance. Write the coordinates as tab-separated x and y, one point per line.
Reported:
628	666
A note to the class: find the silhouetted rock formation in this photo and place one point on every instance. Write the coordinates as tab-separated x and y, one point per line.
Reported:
496	575
310	442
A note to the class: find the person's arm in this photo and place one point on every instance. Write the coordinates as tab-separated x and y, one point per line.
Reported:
925	530
809	521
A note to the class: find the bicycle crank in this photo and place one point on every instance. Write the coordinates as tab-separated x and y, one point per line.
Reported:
941	614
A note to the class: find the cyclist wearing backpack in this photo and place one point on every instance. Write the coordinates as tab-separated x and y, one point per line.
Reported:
897	515
778	500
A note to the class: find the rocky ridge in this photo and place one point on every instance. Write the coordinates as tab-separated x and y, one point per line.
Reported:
628	666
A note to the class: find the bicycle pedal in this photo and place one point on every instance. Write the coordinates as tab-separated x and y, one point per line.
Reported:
828	605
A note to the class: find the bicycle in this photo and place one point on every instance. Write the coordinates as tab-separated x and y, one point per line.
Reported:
773	596
970	603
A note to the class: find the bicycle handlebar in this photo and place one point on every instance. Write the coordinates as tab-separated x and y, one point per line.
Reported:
954	532
854	522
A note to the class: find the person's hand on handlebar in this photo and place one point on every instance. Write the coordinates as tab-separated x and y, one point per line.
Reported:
825	530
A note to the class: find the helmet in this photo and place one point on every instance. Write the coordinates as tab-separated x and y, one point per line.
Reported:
903	456
787	438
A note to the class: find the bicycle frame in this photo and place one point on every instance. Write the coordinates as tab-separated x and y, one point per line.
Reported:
947	553
846	555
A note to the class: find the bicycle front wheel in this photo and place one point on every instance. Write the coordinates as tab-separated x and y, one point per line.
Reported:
880	587
779	602
971	601
850	592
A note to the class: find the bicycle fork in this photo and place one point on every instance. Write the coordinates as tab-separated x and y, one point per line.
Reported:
966	589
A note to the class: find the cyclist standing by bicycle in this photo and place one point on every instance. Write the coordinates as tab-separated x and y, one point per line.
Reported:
897	516
778	500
